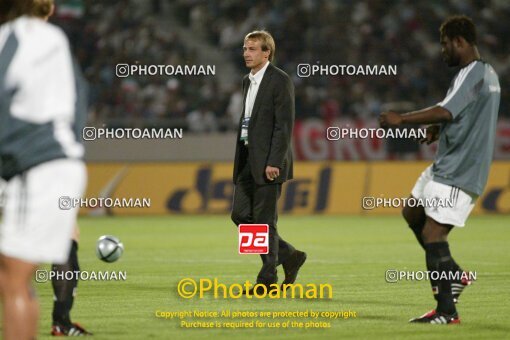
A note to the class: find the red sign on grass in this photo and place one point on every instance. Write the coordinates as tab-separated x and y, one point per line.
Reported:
253	238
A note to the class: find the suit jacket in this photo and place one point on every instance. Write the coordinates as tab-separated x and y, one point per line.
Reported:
270	128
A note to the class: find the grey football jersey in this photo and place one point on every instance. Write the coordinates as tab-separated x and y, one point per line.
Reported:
466	144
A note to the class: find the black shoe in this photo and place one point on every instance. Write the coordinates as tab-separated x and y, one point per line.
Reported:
74	329
459	286
292	265
434	317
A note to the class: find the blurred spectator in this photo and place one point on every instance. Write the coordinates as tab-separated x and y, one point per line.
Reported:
235	107
202	120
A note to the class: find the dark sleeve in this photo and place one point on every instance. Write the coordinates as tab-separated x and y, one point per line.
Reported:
82	101
283	122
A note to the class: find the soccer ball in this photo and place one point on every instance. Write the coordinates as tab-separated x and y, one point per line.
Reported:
109	248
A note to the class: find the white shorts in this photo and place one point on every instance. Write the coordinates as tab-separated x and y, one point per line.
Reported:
455	203
34	229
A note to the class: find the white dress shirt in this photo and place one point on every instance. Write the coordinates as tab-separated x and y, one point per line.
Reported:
255	80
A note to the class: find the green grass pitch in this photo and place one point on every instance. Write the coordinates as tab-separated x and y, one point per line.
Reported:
350	253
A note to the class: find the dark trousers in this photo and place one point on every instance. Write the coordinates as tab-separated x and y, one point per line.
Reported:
254	203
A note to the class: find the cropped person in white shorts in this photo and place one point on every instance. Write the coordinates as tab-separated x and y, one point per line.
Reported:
41	113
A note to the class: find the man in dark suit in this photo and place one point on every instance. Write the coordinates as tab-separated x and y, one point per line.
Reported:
263	159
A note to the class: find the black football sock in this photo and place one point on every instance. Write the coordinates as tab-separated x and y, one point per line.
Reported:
439	260
64	290
455	268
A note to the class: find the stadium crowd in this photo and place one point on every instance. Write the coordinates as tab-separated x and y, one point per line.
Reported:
402	33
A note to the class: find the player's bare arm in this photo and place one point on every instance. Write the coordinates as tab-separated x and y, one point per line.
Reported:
431	115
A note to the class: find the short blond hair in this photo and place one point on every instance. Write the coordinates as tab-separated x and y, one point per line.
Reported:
42	8
266	39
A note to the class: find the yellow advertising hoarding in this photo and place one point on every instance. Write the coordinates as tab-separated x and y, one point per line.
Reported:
318	187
